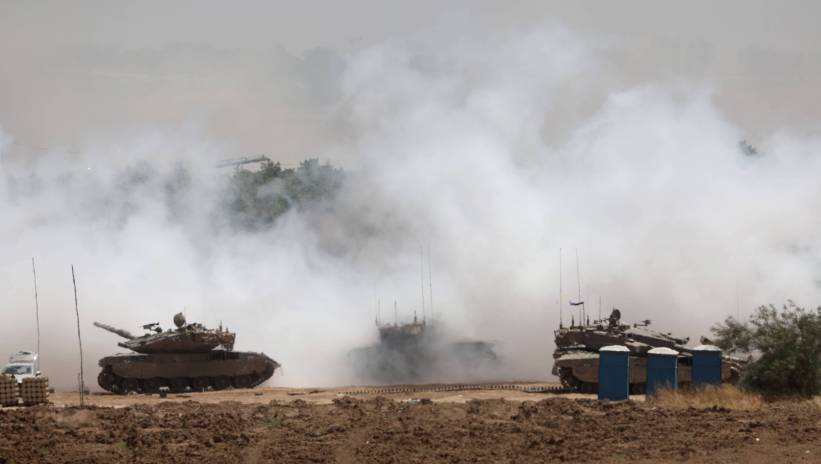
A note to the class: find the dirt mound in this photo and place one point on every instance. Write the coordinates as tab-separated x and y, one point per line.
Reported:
385	430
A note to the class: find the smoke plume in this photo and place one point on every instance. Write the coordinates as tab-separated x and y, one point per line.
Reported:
486	152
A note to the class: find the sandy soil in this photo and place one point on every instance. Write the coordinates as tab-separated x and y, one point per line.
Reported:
289	425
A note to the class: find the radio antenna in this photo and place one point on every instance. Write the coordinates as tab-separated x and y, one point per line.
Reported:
36	309
599	307
579	283
79	338
560	288
430	284
422	277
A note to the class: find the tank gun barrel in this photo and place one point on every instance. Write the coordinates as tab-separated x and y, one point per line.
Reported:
123	333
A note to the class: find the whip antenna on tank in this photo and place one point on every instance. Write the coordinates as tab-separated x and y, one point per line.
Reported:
430	284
36	309
395	314
422	277
599	307
560	288
579	301
378	310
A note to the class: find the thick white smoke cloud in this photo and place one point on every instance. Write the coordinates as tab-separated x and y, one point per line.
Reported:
458	141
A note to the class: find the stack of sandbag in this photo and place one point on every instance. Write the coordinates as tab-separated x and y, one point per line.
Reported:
8	390
34	390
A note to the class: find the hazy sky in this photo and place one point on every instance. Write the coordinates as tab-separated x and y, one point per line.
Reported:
495	132
250	72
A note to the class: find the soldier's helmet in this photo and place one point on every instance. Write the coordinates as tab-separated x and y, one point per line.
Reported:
179	320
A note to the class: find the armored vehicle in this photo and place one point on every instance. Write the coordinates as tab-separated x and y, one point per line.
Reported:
188	357
576	359
417	352
22	365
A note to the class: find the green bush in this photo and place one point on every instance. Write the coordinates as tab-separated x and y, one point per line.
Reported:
784	346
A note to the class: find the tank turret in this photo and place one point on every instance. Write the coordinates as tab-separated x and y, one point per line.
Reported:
188	357
186	338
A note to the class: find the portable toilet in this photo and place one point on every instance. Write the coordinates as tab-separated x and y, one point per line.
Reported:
706	365
614	373
662	369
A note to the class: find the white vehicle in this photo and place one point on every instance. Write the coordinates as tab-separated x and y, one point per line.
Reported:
21	365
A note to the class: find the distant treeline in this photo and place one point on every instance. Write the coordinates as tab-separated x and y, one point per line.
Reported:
256	198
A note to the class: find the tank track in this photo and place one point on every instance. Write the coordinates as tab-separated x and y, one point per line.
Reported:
573	384
389	389
114	383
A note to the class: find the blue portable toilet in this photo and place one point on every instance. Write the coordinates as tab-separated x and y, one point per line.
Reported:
706	365
662	369
614	373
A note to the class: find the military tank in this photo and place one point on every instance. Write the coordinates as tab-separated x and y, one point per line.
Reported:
576	359
418	352
190	357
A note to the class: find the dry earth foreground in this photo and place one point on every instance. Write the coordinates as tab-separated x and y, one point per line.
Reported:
275	425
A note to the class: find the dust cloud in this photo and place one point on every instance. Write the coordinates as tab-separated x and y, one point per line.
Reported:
492	150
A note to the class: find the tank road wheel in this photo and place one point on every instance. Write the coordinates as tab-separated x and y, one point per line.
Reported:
131	385
566	378
242	381
150	386
178	384
587	387
109	381
220	383
200	384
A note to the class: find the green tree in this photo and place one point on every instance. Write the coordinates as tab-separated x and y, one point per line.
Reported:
257	198
784	346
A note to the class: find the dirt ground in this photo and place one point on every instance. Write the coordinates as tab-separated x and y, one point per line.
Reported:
292	425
